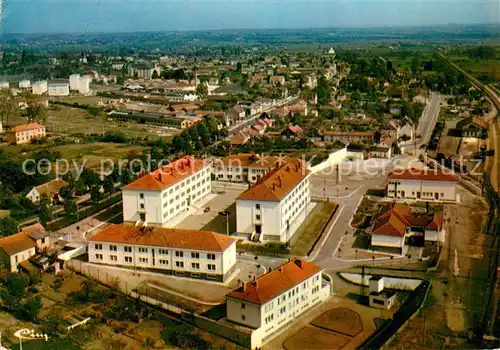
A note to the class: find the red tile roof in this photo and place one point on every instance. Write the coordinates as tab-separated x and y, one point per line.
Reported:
164	237
393	220
278	183
421	174
16	243
276	282
167	175
26	127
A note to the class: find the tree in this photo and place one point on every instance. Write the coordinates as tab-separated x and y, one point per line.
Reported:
45	210
202	90
415	65
65	193
32	307
8	226
8	107
155	75
109	185
95	194
71	208
126	177
36	110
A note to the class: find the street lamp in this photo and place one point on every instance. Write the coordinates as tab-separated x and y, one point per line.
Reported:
29	334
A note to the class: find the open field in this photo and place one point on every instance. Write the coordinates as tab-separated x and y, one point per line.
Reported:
341	320
91	153
69	120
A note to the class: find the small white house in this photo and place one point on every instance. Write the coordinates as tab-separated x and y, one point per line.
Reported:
50	189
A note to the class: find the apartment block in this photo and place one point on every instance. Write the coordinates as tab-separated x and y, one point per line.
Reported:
275	207
274	301
157	197
180	252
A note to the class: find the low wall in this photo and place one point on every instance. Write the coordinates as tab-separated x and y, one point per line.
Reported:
398	283
336	157
228	332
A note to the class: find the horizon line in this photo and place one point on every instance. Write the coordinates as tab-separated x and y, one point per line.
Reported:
374	27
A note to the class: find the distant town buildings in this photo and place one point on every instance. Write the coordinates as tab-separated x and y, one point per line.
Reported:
25	133
179	252
24	84
143	70
276	299
275	207
157	197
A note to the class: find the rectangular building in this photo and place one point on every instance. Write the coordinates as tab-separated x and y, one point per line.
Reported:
346	137
275	300
246	167
161	195
275	207
25	133
58	88
39	87
179	252
422	185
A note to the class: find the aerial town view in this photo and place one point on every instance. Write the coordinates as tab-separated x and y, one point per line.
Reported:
249	175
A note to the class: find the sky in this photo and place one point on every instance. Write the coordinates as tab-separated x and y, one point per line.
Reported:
80	16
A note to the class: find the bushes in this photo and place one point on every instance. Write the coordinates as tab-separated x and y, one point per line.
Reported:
184	338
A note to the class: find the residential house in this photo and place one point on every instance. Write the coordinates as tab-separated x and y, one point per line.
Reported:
25	133
274	207
50	189
143	70
39	87
240	138
422	185
292	132
24	84
381	151
395	223
473	126
21	246
274	301
172	251
156	198
367	137
277	80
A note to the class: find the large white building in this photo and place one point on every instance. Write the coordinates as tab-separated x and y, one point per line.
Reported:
275	207
161	195
422	185
58	88
80	83
24	84
246	167
179	252
39	87
274	301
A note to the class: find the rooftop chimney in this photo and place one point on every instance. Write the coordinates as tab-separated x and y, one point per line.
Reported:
299	263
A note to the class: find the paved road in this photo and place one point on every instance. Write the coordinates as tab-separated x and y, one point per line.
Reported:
427	121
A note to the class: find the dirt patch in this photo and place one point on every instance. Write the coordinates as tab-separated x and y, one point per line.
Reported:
315	338
340	320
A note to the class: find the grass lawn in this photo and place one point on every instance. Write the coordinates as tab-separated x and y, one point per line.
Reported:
311	228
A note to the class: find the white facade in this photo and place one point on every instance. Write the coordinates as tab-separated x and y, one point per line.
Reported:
74	82
84	85
17	258
156	207
4	85
58	89
394	243
422	190
179	261
274	219
24	84
39	87
268	319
